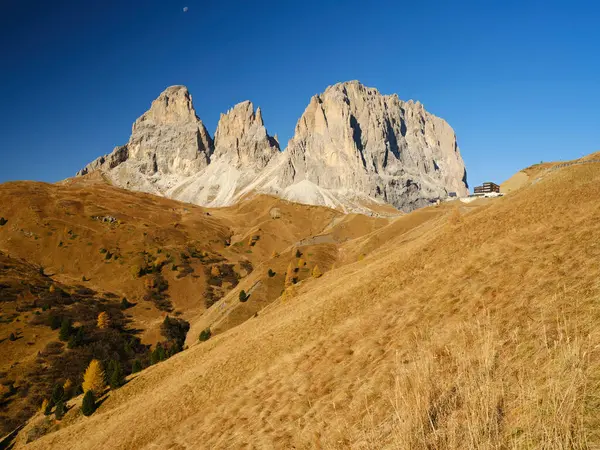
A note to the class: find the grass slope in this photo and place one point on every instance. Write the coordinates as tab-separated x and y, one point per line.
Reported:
475	329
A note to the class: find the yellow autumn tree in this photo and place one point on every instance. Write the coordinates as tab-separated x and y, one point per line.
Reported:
215	272
44	405
93	378
103	320
316	273
68	386
289	275
52	288
301	263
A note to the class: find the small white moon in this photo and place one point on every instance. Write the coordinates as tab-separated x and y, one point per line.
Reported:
185	9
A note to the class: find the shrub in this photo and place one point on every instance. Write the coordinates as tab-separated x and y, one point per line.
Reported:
89	403
316	273
136	367
65	330
271	273
60	410
243	296
93	378
125	304
54	322
103	250
204	335
103	320
47	407
67	388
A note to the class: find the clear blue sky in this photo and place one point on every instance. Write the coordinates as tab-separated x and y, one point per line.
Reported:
518	80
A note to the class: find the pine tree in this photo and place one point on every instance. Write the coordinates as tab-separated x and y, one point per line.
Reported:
60	410
65	330
136	367
115	374
298	253
161	352
89	403
316	273
103	320
76	339
58	393
93	378
289	276
271	273
243	296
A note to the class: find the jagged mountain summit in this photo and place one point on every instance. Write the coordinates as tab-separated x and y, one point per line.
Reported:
352	149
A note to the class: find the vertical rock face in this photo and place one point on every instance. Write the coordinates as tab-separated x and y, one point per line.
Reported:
352	138
351	147
242	138
167	139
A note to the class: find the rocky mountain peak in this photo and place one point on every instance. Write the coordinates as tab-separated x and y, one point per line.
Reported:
173	106
242	137
352	146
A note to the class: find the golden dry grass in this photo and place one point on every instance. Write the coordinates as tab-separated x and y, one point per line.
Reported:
457	334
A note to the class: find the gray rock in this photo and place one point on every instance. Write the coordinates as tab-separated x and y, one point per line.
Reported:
352	148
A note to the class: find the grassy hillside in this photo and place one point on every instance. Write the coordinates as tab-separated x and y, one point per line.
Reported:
451	327
91	243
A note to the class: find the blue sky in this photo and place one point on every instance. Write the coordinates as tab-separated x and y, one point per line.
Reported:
518	81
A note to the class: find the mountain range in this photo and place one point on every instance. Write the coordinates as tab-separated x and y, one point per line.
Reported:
353	149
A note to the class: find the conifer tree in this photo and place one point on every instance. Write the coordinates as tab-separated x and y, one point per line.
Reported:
89	403
316	273
60	410
93	378
243	296
136	367
103	320
65	330
115	374
58	393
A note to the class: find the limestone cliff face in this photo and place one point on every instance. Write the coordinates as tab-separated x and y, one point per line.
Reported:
167	139
242	138
352	138
352	146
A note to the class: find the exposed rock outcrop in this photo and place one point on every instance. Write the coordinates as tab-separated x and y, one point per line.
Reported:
352	147
353	139
242	138
167	139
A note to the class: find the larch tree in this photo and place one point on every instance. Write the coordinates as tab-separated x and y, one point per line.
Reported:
103	320
289	275
93	378
215	271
